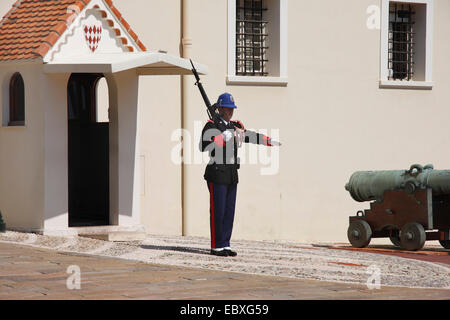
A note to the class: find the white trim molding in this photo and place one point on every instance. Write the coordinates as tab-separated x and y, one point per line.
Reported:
422	80
277	78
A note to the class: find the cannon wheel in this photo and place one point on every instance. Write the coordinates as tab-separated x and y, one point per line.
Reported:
359	234
413	236
395	235
396	241
445	243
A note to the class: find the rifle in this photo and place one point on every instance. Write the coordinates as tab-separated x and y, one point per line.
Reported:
211	109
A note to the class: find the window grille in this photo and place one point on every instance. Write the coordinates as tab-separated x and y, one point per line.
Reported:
251	38
401	41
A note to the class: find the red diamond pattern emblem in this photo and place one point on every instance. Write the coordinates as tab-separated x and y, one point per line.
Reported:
93	36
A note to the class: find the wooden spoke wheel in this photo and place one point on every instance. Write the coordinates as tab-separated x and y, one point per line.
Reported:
445	243
412	236
359	234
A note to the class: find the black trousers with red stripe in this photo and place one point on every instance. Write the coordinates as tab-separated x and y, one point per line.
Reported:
222	208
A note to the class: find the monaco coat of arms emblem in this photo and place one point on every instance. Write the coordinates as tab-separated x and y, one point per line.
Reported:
93	36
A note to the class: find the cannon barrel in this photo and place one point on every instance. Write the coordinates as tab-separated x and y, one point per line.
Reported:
371	185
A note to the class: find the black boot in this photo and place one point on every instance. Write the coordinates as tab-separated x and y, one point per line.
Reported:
222	253
231	253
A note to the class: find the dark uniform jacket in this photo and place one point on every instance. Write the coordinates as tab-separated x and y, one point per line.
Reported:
224	163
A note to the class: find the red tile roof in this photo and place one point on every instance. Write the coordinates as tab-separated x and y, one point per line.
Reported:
32	27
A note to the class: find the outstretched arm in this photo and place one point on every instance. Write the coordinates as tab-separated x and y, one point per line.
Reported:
254	137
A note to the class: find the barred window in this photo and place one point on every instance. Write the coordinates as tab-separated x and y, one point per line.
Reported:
407	44
251	38
401	56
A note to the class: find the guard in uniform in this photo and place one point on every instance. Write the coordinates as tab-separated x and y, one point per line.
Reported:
222	140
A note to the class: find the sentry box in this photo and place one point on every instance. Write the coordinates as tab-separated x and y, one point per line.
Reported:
408	206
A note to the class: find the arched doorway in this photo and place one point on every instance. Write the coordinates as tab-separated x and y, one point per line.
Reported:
88	150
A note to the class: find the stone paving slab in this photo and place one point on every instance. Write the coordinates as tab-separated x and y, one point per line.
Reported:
42	275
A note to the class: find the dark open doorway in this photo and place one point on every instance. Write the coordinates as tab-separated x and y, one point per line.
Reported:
88	154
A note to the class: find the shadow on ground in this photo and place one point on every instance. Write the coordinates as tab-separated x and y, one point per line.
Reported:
425	249
177	249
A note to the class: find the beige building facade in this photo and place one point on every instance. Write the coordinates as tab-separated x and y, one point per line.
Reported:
327	92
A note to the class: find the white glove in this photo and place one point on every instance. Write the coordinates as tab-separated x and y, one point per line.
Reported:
227	136
274	143
240	136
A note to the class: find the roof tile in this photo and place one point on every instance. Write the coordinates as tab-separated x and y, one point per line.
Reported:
116	12
52	38
125	24
141	45
60	27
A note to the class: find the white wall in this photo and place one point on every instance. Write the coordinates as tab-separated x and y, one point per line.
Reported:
333	119
22	153
157	23
53	97
124	138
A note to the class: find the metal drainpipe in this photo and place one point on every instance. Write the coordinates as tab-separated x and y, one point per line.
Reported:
185	48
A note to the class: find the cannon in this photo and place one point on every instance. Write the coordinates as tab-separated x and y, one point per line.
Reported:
408	206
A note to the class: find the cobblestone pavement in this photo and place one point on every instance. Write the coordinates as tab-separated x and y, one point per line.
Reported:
28	272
